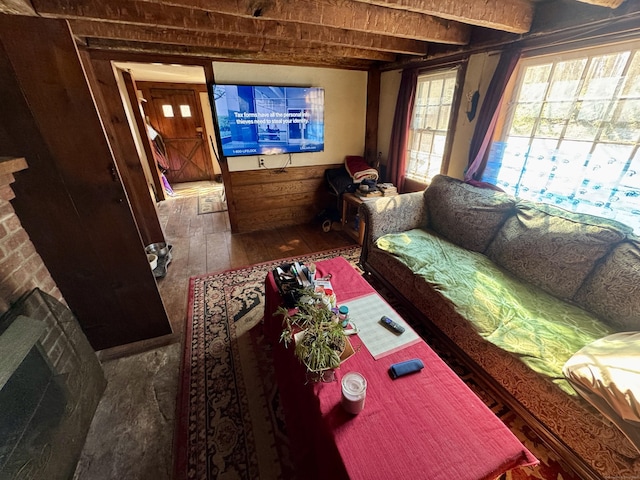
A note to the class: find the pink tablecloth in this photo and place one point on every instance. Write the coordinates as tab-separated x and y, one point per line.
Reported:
428	425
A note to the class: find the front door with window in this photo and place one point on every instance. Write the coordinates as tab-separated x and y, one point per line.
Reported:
177	116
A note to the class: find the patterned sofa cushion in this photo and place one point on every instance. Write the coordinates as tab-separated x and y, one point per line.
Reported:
540	329
553	248
612	291
466	215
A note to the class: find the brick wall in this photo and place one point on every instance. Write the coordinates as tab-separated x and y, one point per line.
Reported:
21	268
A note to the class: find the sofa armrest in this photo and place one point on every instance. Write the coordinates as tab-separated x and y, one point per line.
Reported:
391	215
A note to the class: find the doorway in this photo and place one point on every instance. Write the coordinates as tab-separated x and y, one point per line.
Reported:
173	102
175	112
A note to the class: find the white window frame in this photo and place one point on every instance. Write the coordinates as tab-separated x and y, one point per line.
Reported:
429	141
587	159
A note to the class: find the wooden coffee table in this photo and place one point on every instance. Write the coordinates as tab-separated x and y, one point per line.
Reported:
426	425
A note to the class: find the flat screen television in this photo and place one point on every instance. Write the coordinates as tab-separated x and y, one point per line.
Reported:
268	120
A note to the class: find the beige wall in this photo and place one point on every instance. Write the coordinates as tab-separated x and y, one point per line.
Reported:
344	114
479	72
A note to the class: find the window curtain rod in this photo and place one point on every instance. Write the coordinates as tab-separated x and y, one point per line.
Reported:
602	31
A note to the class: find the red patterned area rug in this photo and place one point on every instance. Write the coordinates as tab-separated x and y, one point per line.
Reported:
229	420
230	423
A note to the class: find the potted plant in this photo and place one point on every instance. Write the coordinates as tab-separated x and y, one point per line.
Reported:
319	337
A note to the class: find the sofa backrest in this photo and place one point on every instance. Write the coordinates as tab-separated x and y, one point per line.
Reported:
466	215
553	248
612	290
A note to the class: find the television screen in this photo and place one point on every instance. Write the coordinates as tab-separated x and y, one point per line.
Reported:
268	120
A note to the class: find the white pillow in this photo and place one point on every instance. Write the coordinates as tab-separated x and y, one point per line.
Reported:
607	374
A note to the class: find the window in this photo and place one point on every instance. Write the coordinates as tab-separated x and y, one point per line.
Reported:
185	111
167	111
428	135
571	133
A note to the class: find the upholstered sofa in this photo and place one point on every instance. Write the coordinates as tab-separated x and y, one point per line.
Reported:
516	288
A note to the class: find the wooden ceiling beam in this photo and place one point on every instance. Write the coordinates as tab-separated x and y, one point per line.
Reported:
137	13
513	16
339	14
17	7
219	54
239	43
604	3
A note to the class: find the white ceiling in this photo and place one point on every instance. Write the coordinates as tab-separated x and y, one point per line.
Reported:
156	72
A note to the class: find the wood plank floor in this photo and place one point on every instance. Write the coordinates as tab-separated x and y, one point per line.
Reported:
204	244
132	432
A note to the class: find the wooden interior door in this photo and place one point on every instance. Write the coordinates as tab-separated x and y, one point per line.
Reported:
178	118
71	199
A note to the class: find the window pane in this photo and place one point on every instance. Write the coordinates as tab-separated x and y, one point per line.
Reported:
167	111
566	79
631	87
449	91
431	120
525	118
624	127
439	143
604	75
435	93
535	83
573	156
443	118
573	139
425	142
607	162
185	111
631	178
510	158
586	120
553	119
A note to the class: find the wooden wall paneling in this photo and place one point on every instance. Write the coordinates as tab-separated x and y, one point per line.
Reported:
256	177
109	102
69	202
266	199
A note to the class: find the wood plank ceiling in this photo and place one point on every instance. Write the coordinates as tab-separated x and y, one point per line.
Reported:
339	33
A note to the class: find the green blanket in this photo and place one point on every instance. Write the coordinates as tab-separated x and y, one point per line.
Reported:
541	329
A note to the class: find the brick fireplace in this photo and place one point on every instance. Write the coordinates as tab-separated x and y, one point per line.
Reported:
50	378
21	268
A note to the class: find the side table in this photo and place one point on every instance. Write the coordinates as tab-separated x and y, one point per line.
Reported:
352	224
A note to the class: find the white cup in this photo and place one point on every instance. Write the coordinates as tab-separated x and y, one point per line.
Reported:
354	391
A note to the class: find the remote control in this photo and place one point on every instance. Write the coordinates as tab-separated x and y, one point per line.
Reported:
391	325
